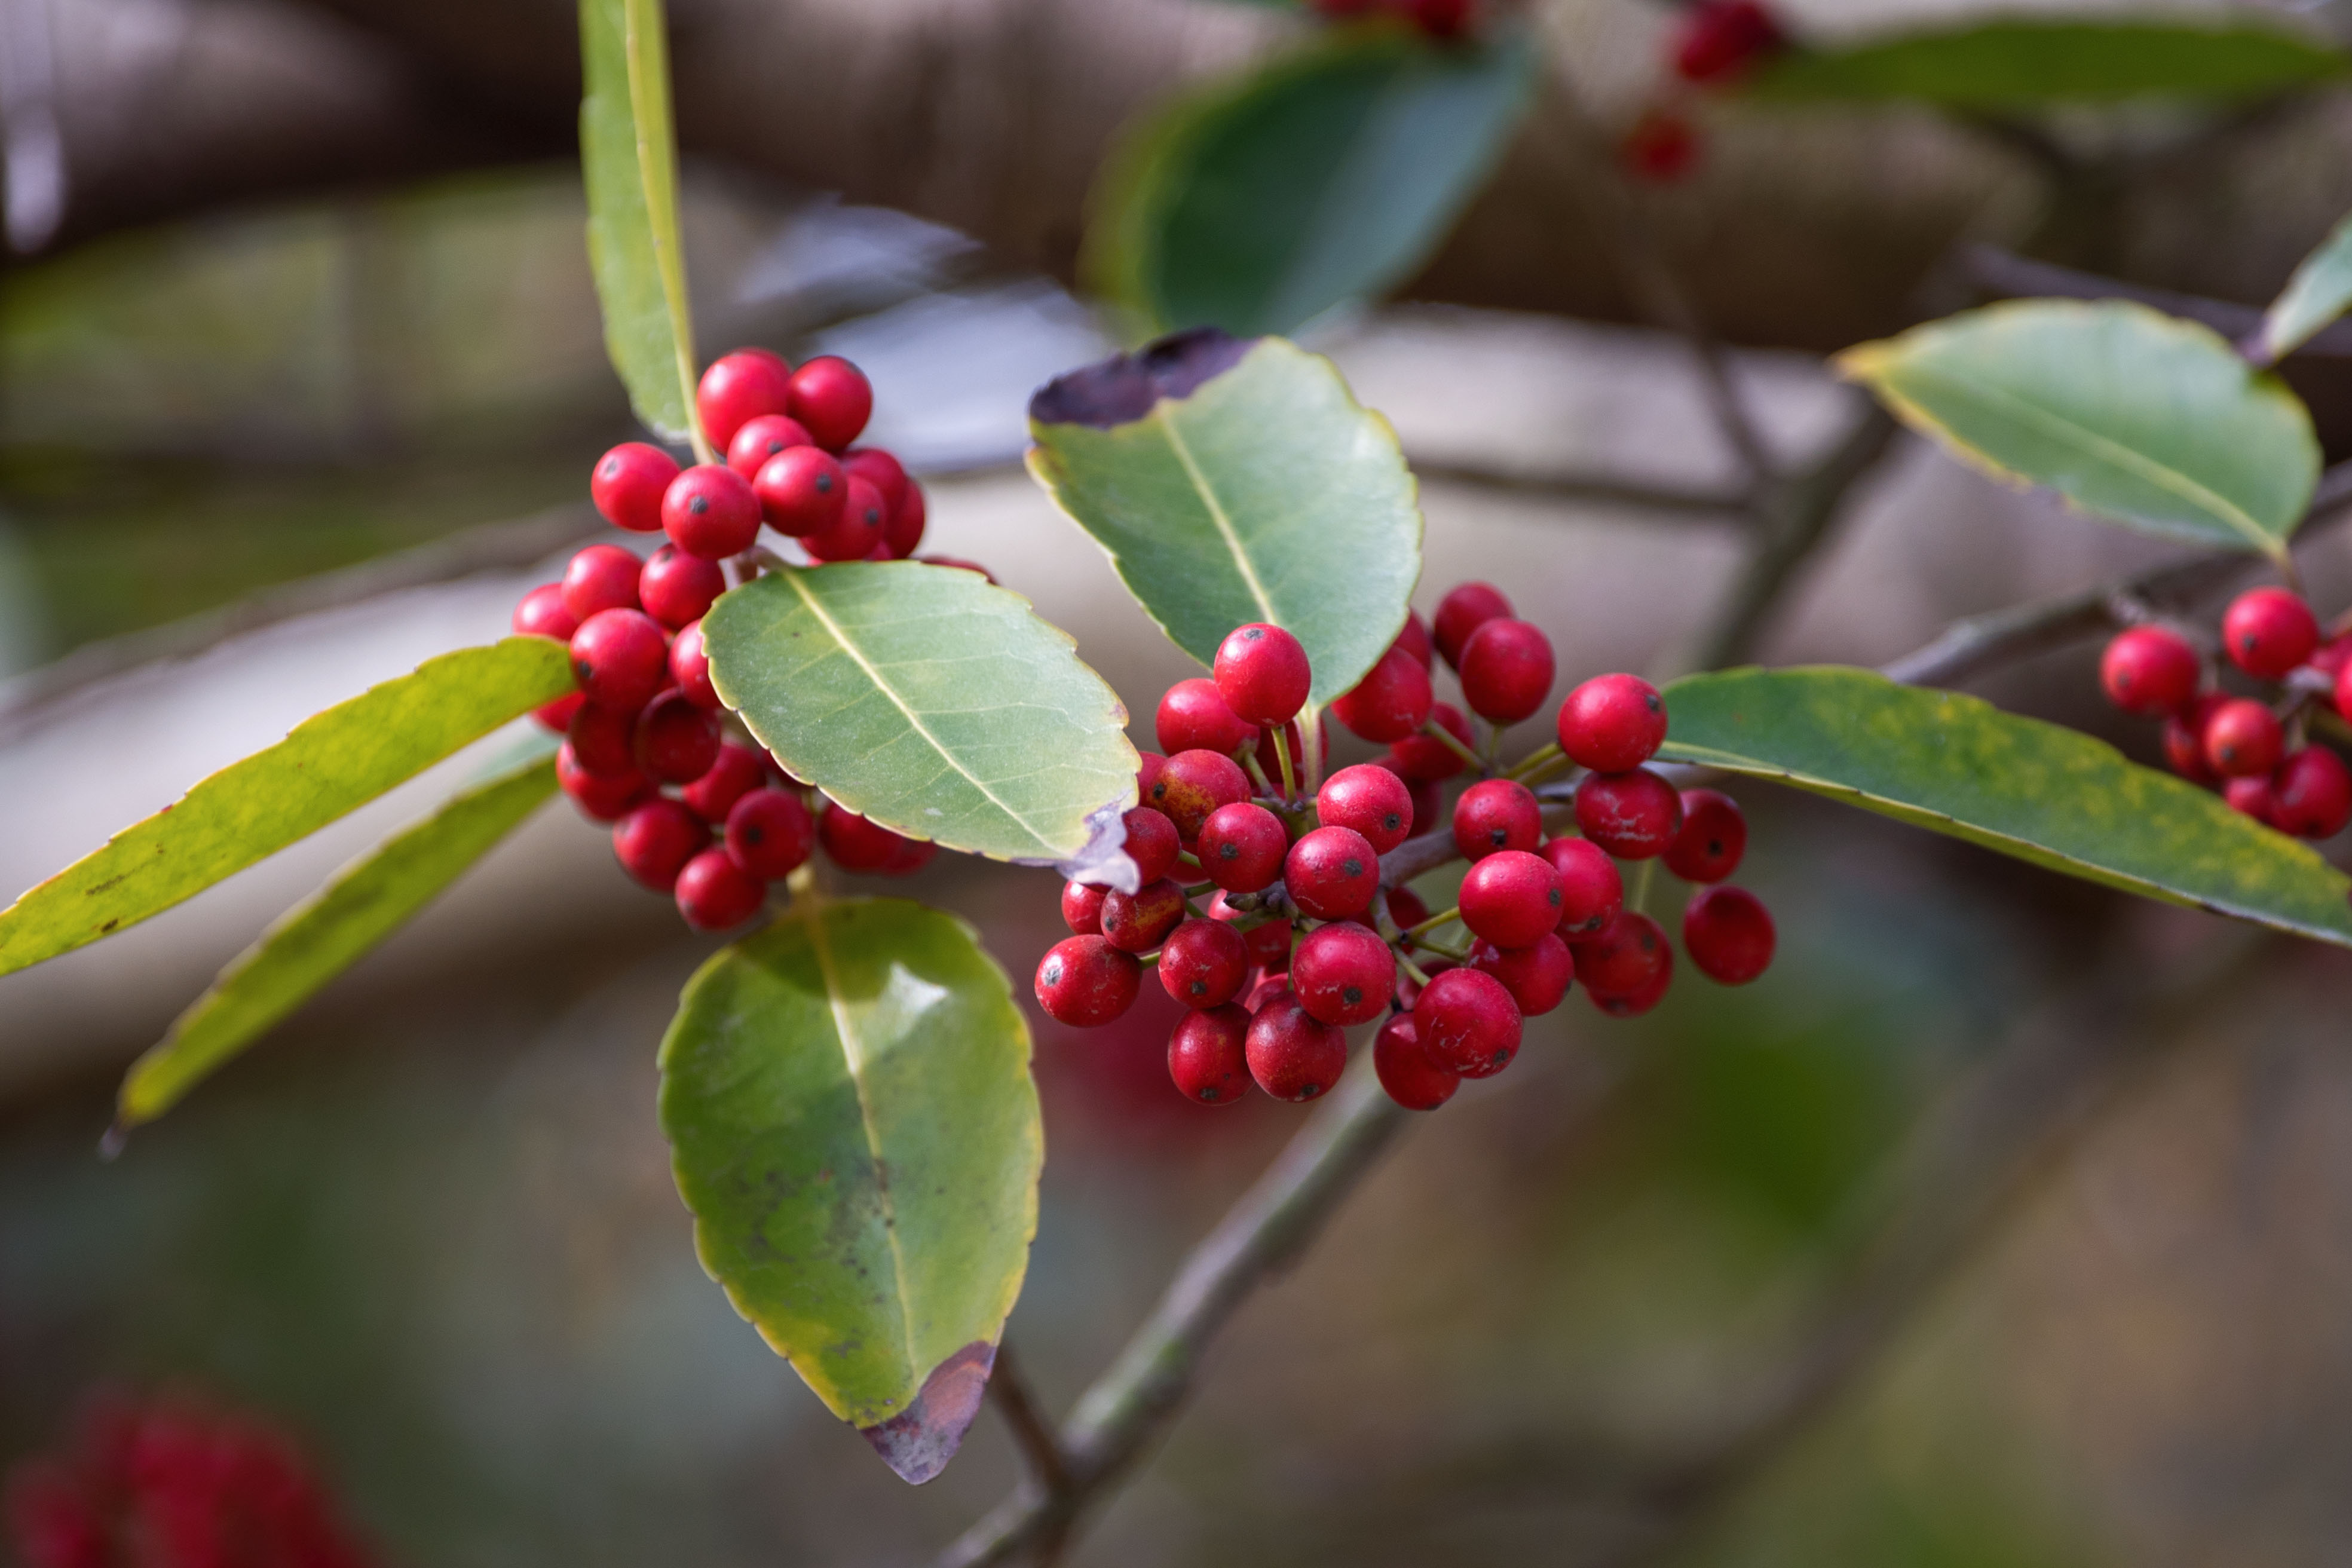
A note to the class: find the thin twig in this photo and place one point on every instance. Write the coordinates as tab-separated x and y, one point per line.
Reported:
1031	1431
1998	272
1681	503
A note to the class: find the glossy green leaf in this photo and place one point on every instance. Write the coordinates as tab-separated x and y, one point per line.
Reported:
1325	178
2043	793
2136	415
2018	62
330	764
2320	290
1236	481
628	156
848	1099
926	698
327	932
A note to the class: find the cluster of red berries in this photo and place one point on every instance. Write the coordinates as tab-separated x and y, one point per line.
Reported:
1716	43
170	1485
1438	18
2251	749
646	747
1299	938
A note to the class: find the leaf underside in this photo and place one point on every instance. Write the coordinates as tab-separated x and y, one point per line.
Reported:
2320	292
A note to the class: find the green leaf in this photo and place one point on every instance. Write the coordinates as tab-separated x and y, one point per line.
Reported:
330	764
2018	62
628	156
327	932
2320	290
1326	177
2046	795
926	698
848	1099
1236	481
2136	415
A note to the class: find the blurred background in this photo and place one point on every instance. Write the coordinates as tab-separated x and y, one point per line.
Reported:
2006	1221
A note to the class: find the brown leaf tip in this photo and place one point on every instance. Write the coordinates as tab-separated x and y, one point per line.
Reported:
919	1440
1123	389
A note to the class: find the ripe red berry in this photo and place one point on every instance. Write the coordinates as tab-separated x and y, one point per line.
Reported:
1331	874
1151	842
627	484
1140	920
2251	798
1506	671
1291	1054
1240	848
763	439
656	840
676	588
1496	815
542	614
1082	905
1207	1055
1343	973
1406	909
800	491
1537	976
1426	759
2184	740
1085	982
880	470
2269	631
621	658
1414	639
1392	702
1592	891
736	771
1511	898
1411	1079
1192	783
2242	739
1262	672
1373	800
603	797
854	844
1193	716
856	532
555	716
1269	940
1633	1004
1728	933
1660	147
1632	816
604	741
1462	611
1713	838
737	388
1613	723
1442	18
714	893
689	667
1147	774
2311	794
1625	957
1719	39
1203	962
709	513
2344	693
832	397
677	742
601	577
770	834
903	531
1467	1021
2151	671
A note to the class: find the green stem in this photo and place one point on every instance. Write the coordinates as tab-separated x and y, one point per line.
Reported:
1639	902
1282	761
1432	727
1433	921
1536	762
1256	775
1410	968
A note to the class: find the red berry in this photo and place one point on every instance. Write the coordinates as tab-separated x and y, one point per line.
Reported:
1728	933
1405	1069
2184	740
1240	848
903	531
1085	982
1192	783
1613	723
1082	905
605	797
1392	702
2251	798
2344	692
627	484
542	614
1140	920
738	771
1208	1056
689	667
1203	962
1151	842
709	513
556	717
1592	891
854	844
736	389
857	532
1269	940
880	470
1536	977
1496	815
676	589
1414	639
2312	794
2269	631
1373	800
1632	816
1262	672
1462	611
1625	957
832	397
1146	773
1193	716
1713	838
601	577
2150	671
1331	874
2242	739
1506	671
770	834
1511	898
714	893
1633	1004
1442	18
1406	909
1426	759
800	491
1428	805
621	658
1660	147
763	439
1719	39
656	840
1467	1021
677	742
1343	975
1291	1054
604	741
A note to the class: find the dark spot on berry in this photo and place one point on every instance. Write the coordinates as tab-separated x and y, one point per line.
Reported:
1499	836
1252	634
1229	852
1054	972
1353	867
1390	822
1311	1090
1654	702
1351	995
1554	898
612	466
698	505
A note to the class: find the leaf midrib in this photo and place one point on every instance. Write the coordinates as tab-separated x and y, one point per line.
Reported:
1224	525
